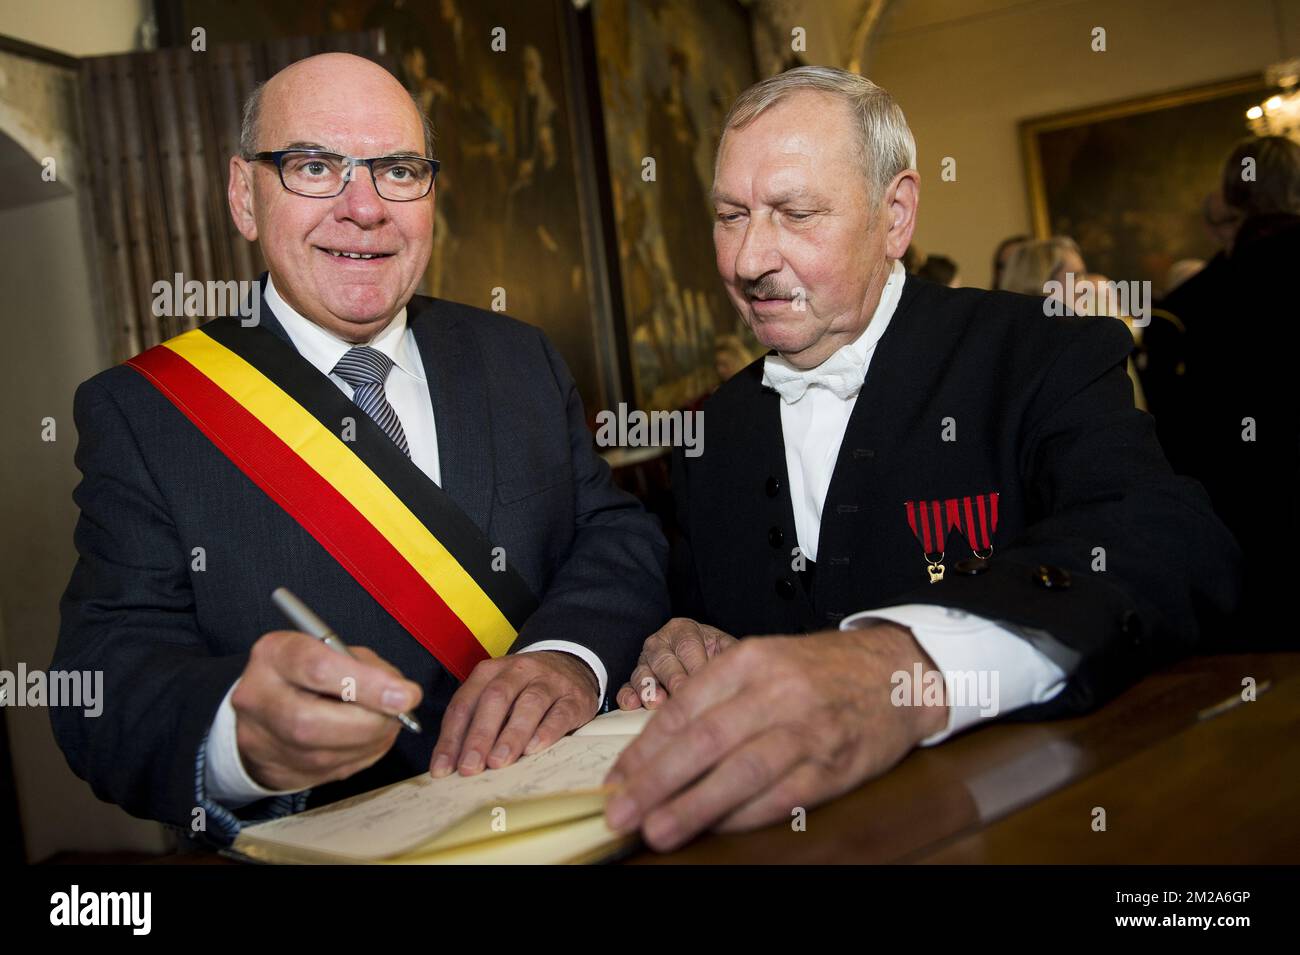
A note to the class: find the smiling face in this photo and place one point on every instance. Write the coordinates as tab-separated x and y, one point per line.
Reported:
803	247
347	105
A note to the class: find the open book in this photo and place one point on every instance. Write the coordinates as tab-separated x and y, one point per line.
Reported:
546	808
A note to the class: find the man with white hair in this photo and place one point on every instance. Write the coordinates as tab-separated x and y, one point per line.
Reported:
938	505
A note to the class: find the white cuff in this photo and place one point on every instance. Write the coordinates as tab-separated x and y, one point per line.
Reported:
582	653
987	669
224	777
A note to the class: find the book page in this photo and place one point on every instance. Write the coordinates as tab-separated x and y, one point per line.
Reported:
407	815
578	840
616	723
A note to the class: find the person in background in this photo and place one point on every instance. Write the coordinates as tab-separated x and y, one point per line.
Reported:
1032	263
1162	361
1231	421
1036	262
1001	255
941	270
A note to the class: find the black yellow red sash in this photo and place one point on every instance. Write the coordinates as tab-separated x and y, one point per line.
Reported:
397	533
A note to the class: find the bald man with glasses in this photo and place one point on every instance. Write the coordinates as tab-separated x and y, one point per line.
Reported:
417	471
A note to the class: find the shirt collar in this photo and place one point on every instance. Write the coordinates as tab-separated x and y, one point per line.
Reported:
850	361
323	348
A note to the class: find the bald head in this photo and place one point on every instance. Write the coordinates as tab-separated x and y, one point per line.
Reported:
323	66
352	261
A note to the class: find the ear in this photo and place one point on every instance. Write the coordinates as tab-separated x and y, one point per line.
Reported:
901	200
239	196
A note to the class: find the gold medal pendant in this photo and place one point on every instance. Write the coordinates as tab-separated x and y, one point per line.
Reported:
935	567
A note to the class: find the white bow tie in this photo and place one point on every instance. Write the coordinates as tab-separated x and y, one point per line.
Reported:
842	374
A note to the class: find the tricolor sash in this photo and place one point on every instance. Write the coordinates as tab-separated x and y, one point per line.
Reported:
403	539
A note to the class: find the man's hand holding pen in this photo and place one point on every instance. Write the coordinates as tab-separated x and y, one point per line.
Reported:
307	715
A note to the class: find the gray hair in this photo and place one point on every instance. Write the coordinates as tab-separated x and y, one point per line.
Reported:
1035	262
887	146
253	111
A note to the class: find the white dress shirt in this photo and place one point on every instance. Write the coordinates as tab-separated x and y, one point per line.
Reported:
815	409
407	390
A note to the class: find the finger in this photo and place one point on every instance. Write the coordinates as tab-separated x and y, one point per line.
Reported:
301	720
667	667
321	766
627	698
797	790
490	711
366	655
278	762
455	720
718	683
646	686
692	652
721	641
311	665
744	774
525	716
562	718
650	781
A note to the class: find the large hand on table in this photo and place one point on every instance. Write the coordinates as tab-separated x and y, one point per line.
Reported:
513	706
773	724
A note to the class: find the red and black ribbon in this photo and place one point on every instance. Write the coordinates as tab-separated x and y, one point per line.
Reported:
975	516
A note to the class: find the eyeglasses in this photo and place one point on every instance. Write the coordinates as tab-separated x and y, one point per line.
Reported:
318	174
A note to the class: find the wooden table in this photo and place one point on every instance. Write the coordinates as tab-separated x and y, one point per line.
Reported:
1181	780
1185	771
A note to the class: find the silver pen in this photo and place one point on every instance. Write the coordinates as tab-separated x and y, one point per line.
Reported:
305	619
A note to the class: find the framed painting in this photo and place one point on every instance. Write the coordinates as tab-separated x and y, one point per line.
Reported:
1128	180
667	74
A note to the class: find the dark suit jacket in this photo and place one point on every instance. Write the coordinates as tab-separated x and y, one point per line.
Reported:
515	454
1044	416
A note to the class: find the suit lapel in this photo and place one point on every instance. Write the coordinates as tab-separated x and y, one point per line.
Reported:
877	413
458	390
895	371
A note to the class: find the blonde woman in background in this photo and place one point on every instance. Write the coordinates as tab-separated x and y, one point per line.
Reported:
1036	262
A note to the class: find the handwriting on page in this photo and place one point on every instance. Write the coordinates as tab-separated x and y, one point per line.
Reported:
400	817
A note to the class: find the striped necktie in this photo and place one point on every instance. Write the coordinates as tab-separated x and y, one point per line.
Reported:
365	369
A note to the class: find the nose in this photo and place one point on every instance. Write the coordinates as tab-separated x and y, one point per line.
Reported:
360	201
758	253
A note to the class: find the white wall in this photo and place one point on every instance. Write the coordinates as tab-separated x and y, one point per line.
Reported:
52	342
967	73
75	27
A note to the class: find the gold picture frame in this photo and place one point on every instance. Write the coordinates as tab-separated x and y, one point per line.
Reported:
1188	131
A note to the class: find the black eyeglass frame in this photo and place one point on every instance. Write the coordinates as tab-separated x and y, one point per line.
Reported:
276	156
